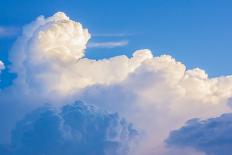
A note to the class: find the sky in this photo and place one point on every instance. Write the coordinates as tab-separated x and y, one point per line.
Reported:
126	77
189	30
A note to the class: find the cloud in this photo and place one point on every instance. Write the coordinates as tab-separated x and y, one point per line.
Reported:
56	46
1	66
8	31
212	136
74	129
112	44
113	34
156	93
159	97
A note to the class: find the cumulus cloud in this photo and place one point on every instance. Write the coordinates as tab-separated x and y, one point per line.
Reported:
55	46
75	129
164	94
156	93
212	136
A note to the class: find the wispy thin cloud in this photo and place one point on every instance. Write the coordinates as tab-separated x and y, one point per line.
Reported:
111	44
115	34
8	31
112	34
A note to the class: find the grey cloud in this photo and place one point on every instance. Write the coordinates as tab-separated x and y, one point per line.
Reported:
212	136
74	129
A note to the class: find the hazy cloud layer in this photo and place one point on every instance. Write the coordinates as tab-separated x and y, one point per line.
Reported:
212	136
156	93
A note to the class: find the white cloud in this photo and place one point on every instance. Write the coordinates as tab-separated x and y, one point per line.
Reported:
1	66
112	44
8	31
160	96
55	46
156	93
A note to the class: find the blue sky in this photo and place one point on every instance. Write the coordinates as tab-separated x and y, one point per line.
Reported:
196	32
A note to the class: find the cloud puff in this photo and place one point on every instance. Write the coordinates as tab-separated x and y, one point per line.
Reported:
75	129
156	93
212	136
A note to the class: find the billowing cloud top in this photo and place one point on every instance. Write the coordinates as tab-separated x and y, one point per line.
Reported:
156	93
50	53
